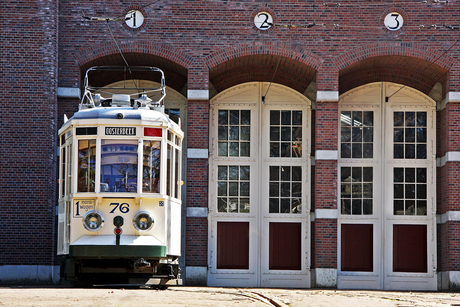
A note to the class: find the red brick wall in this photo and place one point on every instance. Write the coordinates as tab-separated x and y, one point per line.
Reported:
325	240
196	240
29	34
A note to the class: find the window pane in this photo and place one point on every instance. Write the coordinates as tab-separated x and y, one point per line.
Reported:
410	135
223	117
357	118
367	174
234	133
345	150
285	117
245	117
409	191
223	149
274	190
356	190
245	133
421	119
346	206
244	172
357	134
223	133
274	117
274	205
367	206
398	135
222	173
285	205
233	172
234	149
86	165
245	149
398	119
119	165
151	167
345	118
234	117
297	118
233	189
421	151
233	126
421	207
410	119
222	189
368	118
222	205
345	135
285	190
285	134
357	150
356	206
368	135
244	188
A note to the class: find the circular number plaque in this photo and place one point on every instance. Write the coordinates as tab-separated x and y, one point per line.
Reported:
263	21
393	21
134	19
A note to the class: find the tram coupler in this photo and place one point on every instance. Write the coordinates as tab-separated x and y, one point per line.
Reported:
141	264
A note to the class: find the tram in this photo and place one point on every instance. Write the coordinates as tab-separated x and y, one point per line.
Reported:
119	215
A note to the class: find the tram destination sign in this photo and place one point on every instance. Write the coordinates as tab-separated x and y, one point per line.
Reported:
120	131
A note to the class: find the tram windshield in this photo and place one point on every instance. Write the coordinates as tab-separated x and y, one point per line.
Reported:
119	165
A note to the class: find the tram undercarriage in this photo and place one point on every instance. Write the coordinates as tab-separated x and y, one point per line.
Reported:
105	271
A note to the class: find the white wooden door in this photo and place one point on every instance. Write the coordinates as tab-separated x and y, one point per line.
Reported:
387	225
259	188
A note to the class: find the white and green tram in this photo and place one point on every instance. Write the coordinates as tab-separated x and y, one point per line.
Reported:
120	184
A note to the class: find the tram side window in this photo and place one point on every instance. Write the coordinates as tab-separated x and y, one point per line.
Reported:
63	170
86	165
66	169
176	174
168	171
151	167
119	165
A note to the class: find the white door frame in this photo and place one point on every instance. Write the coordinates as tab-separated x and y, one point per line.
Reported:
374	96
248	97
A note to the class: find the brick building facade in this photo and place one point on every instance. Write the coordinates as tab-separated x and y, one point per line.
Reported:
325	65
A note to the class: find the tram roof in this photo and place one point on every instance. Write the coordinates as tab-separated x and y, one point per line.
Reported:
128	113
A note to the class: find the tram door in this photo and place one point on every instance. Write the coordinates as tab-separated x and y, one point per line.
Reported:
387	222
260	188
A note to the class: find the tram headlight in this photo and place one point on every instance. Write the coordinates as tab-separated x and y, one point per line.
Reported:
93	220
143	221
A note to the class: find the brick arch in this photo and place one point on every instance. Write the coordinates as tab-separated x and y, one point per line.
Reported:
403	63
174	63
160	50
283	64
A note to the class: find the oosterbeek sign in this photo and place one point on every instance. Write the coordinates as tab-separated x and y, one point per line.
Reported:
120	131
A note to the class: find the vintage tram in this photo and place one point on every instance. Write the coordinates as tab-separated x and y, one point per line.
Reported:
119	216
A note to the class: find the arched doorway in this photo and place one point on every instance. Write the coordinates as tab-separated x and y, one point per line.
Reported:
259	189
387	189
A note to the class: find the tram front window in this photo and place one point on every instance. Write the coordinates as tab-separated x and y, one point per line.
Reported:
119	166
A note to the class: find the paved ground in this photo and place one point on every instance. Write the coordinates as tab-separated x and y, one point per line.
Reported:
52	296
